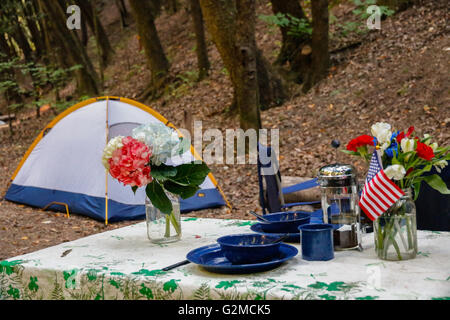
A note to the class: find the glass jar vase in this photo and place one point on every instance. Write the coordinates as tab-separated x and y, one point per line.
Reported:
162	227
395	230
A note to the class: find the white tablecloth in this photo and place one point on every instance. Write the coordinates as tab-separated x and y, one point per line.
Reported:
123	264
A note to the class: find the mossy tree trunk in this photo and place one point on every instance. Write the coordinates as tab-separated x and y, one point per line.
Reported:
225	21
247	90
36	35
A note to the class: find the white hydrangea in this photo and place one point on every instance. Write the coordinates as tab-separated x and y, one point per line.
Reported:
163	141
113	144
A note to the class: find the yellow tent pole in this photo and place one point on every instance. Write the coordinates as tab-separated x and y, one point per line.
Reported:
106	171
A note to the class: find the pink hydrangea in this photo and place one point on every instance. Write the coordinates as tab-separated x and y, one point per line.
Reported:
130	163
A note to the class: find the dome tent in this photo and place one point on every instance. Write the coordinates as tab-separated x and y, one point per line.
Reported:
62	169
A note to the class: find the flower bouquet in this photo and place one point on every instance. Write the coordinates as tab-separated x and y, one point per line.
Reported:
143	160
406	160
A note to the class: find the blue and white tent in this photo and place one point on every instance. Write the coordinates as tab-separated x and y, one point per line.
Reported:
62	169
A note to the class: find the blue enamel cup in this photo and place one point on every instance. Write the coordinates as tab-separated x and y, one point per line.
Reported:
317	241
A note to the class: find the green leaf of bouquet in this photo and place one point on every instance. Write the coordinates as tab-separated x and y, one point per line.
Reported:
183	191
134	188
158	197
416	187
353	153
163	172
436	182
190	174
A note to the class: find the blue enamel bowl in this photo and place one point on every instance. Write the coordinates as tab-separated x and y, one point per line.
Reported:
285	222
249	248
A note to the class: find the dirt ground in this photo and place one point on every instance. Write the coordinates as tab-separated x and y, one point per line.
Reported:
398	74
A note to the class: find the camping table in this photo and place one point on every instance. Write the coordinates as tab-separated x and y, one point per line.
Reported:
123	264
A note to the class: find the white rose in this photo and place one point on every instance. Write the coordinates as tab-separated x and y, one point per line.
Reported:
395	171
407	145
382	131
113	144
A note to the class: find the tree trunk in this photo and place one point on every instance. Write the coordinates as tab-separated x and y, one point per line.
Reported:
171	6
247	96
201	49
88	11
144	14
31	19
221	19
123	12
87	78
21	39
84	33
11	95
320	58
290	44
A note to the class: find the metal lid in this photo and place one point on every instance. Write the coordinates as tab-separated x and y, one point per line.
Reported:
337	175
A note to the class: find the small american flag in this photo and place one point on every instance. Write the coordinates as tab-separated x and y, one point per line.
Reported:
379	192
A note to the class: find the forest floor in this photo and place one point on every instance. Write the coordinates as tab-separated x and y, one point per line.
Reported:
398	74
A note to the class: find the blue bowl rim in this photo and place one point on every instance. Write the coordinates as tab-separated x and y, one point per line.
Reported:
325	227
220	242
306	215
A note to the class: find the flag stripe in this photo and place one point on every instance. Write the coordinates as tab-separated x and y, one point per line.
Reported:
384	186
379	192
375	201
381	196
392	185
369	212
368	209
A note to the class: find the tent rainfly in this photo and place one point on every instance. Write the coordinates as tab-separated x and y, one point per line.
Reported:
62	169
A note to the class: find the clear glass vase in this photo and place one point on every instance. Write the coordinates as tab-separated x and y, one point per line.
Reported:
395	230
161	227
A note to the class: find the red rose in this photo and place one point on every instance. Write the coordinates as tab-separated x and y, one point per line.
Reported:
424	151
360	141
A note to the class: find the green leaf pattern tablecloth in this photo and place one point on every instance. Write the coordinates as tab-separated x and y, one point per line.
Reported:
123	264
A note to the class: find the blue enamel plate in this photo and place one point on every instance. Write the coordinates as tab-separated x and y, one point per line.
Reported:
212	259
291	237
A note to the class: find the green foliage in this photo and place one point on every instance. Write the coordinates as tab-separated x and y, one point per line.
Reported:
42	77
182	180
296	27
361	15
182	84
